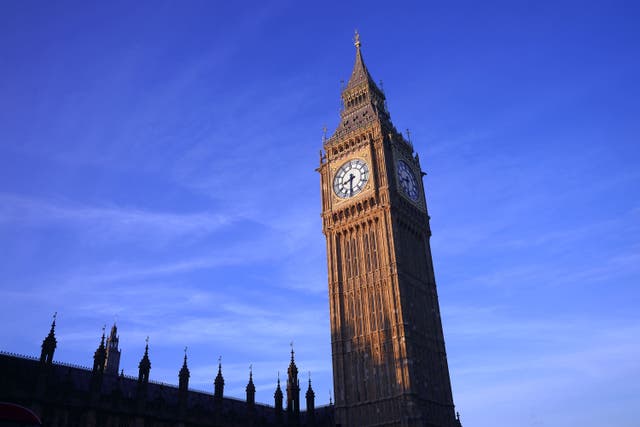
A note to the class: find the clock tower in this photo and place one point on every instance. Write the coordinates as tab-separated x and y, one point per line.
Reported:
389	360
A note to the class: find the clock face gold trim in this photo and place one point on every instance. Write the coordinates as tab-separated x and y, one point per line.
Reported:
350	178
408	181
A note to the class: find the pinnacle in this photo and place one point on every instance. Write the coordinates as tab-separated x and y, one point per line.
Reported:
360	74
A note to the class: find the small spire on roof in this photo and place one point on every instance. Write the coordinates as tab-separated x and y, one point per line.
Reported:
53	324
356	40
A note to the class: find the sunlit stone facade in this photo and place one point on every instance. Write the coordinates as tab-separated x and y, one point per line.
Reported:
389	360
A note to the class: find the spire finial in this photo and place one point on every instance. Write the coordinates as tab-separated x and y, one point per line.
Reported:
292	352
309	378
185	354
408	135
102	339
146	346
356	39
250	371
324	134
53	324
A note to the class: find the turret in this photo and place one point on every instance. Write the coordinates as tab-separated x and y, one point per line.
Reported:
183	383
144	367
98	369
251	399
183	376
112	362
311	407
218	384
99	357
293	392
251	389
278	397
49	344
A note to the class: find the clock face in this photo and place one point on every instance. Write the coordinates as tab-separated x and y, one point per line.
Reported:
407	180
351	178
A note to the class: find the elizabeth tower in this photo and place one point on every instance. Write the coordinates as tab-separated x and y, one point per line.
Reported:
389	360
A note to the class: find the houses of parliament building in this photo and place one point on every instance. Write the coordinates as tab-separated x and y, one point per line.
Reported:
388	351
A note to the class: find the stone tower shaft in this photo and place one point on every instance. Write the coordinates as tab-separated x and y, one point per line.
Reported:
389	359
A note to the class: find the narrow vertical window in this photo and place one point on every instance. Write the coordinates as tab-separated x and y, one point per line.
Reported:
347	253
374	249
354	256
367	252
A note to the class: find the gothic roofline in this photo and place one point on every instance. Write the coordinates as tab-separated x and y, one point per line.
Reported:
132	378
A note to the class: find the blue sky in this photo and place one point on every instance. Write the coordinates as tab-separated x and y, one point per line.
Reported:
157	167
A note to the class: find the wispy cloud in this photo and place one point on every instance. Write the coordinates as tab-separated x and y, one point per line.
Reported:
108	221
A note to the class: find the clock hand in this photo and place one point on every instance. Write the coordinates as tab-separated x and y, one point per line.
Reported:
351	176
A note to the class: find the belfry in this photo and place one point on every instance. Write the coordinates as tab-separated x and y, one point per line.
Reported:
389	360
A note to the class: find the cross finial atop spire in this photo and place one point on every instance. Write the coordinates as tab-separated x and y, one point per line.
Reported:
54	316
356	39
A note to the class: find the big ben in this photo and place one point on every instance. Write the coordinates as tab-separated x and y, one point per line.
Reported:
388	352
